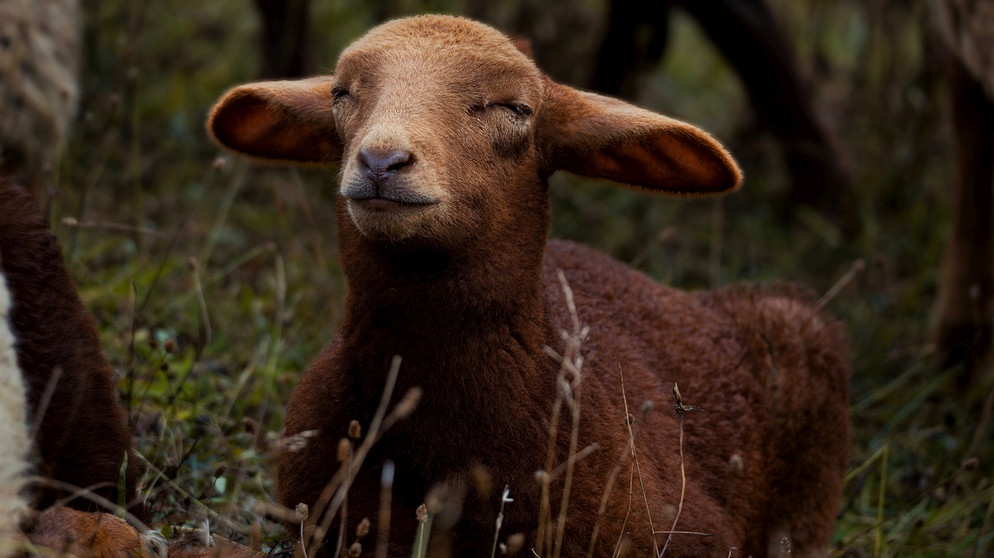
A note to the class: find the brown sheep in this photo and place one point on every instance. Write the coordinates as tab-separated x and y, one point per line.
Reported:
52	371
447	135
39	86
82	434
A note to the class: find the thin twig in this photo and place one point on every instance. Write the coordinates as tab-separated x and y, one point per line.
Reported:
88	494
202	301
377	427
383	523
699	533
638	471
681	410
855	269
46	399
303	547
628	511
573	363
544	535
424	526
504	498
343	517
573	459
622	460
73	223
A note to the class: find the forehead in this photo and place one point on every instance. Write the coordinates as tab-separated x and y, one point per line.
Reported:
454	50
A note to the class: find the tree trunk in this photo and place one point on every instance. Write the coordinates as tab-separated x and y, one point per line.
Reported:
632	47
965	306
284	37
748	36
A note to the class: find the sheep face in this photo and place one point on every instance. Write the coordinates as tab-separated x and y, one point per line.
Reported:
445	131
435	133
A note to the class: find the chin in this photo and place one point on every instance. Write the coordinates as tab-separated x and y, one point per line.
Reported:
395	224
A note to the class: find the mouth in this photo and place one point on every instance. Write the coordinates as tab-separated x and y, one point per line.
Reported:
390	217
386	204
389	200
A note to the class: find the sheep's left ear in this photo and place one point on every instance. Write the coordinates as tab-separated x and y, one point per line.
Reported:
600	137
279	121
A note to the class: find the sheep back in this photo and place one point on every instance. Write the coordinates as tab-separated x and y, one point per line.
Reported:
769	372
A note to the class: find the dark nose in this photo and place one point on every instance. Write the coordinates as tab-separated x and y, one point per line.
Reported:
381	164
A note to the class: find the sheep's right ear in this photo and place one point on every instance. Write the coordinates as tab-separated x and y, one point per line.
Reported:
280	121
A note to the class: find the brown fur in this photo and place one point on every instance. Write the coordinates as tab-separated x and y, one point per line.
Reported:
102	535
82	435
86	535
447	134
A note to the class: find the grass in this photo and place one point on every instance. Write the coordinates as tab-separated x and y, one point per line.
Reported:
214	282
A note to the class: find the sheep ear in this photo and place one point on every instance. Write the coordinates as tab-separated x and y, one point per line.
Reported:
600	137
280	121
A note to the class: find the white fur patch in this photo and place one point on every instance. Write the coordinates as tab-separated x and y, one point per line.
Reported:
15	441
39	58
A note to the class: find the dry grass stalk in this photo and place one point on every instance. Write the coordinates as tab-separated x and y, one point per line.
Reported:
855	269
383	521
569	380
681	410
631	475
424	525
343	516
334	495
302	512
572	362
633	428
504	498
85	494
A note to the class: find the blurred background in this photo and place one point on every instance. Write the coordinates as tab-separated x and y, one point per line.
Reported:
214	280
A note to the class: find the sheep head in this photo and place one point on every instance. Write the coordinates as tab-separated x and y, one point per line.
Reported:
443	127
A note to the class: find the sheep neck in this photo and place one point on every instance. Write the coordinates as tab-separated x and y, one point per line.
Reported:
470	328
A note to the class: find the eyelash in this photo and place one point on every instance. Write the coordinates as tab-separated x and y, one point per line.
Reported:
338	93
519	109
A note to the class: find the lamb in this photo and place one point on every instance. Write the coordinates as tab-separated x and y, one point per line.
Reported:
447	135
57	385
81	434
39	86
55	381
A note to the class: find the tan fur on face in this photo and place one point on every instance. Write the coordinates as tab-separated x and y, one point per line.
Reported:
420	98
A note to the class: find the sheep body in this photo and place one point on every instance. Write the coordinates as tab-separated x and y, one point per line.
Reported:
447	135
769	372
82	435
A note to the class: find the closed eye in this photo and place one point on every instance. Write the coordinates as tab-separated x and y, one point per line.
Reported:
518	109
338	93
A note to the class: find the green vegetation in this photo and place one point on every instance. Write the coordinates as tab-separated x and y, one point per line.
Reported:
214	281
